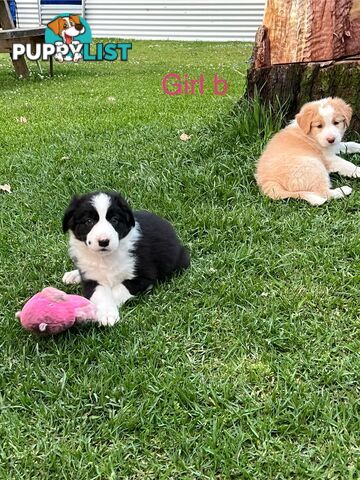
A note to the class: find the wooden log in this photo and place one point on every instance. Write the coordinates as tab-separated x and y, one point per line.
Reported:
290	86
306	50
308	31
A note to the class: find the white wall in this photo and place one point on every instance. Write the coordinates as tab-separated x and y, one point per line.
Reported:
28	13
50	11
212	20
176	19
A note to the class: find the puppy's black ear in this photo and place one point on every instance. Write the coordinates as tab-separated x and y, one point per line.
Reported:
68	220
125	209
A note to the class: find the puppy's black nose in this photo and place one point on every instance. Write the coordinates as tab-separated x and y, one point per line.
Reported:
104	243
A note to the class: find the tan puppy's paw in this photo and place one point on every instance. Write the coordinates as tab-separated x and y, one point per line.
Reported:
314	199
356	173
340	192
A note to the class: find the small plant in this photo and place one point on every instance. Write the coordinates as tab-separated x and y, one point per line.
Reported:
254	119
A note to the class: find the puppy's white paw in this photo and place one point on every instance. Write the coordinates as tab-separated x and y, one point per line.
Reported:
72	278
346	190
353	147
107	316
356	173
340	192
121	294
77	57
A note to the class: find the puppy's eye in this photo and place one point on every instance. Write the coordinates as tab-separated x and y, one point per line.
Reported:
337	122
114	220
319	126
89	222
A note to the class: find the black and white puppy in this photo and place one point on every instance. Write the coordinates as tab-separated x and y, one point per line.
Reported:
118	253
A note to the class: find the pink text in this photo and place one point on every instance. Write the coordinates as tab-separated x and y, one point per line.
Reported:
174	84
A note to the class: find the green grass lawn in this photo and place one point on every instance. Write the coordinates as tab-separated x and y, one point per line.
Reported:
247	366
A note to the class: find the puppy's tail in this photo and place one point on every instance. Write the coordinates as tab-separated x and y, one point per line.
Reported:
276	192
183	260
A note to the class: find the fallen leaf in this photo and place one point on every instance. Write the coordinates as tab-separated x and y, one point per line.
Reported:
111	99
326	64
5	188
185	137
22	120
65	158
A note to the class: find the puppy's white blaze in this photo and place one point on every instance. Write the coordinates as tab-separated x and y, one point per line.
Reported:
102	230
327	112
101	203
71	30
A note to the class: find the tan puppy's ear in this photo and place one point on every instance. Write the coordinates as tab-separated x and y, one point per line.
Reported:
75	19
343	108
304	118
348	114
56	25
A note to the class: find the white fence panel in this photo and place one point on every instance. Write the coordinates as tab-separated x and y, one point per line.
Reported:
50	11
28	13
175	20
158	19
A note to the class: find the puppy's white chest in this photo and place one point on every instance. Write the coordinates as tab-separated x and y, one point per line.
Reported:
109	270
120	268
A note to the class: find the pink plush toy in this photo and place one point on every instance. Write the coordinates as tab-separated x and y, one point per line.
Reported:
52	311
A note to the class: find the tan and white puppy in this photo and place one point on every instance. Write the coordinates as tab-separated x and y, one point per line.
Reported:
297	161
68	28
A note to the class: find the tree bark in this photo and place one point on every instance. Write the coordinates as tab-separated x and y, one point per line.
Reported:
307	50
311	31
290	86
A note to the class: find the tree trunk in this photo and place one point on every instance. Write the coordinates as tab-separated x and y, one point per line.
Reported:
290	86
312	30
307	50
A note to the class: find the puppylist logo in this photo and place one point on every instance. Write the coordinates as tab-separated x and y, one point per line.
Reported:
68	38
